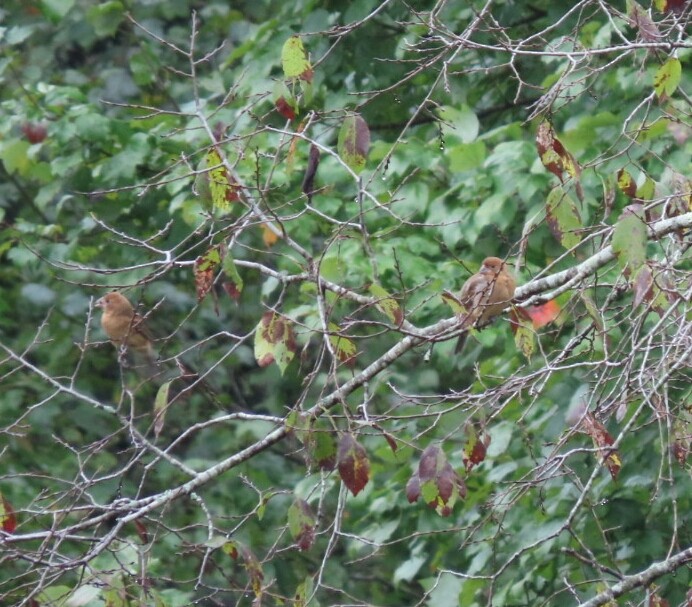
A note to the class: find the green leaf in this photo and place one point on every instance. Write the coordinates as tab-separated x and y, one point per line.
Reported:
294	60
354	142
106	18
274	341
344	348
563	218
160	406
629	238
234	285
56	9
668	77
387	304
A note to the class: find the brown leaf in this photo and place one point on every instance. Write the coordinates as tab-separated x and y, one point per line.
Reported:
204	268
310	172
8	519
353	464
603	441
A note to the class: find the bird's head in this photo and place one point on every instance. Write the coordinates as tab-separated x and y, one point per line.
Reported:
492	265
113	301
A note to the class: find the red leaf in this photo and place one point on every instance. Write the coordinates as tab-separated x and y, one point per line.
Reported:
34	132
413	488
353	463
8	519
543	314
284	108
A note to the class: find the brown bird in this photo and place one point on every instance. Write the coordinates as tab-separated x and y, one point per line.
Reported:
125	328
484	295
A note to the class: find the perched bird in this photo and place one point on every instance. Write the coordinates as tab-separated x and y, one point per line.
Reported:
125	328
484	295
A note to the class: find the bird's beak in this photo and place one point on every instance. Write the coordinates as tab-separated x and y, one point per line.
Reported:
99	302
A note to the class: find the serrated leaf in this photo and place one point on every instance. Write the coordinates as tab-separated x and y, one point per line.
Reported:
213	184
160	406
354	142
629	238
667	77
563	218
294	60
387	304
274	341
353	464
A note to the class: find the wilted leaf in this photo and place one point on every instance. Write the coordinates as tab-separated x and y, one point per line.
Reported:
8	519
629	238
387	304
284	108
323	449
309	179
214	185
142	531
627	184
440	485
274	341
667	78
553	154
641	284
269	236
667	6
524	334
234	285
160	407
603	441
301	524
639	19
354	142
344	348
353	464
563	218
294	60
205	266
475	447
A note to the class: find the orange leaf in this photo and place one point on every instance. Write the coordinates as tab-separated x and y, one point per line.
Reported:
543	314
269	237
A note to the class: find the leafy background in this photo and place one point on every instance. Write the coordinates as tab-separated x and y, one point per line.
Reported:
108	120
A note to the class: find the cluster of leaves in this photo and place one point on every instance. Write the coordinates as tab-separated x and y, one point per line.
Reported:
289	188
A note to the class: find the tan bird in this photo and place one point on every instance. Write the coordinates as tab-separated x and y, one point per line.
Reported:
485	295
124	326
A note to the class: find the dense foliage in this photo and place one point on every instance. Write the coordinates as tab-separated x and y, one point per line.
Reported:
289	192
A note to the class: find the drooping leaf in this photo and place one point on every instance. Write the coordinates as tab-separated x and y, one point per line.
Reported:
204	269
8	519
308	186
524	332
269	236
344	348
627	184
563	218
667	6
475	447
301	524
629	238
294	60
603	441
160	406
667	78
353	464
234	285
440	485
639	19
324	449
453	302
387	304
285	108
354	142
553	154
274	341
